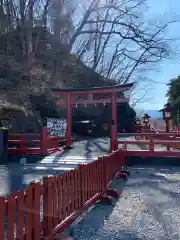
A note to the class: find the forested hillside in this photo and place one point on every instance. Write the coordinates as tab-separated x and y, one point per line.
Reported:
174	99
64	43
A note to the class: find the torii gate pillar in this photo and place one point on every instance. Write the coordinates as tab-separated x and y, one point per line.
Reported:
69	122
110	90
113	127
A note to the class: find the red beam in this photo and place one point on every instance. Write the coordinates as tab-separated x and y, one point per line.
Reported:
24	134
147	141
25	150
150	134
168	141
147	153
95	91
133	142
24	141
62	102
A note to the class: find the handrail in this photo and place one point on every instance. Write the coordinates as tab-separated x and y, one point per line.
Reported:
45	209
169	140
24	134
45	144
150	134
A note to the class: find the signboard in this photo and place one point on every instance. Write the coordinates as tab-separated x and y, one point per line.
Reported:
56	127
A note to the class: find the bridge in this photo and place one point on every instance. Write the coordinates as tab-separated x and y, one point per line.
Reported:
82	190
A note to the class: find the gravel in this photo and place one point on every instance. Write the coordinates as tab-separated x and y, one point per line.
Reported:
149	208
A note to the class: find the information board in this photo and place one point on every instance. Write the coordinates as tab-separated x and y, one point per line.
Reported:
56	127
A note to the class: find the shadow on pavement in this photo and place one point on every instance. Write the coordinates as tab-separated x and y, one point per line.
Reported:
65	153
105	141
15	177
163	196
101	148
94	225
88	150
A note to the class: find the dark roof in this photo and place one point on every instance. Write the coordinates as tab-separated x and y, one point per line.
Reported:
63	90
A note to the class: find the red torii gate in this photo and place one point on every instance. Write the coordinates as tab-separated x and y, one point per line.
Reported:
110	90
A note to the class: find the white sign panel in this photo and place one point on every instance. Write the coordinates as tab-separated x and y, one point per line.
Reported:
56	127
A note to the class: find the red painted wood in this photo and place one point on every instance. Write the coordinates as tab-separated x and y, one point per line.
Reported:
55	201
76	186
68	194
37	228
62	102
92	187
72	178
50	205
82	186
29	213
64	196
64	199
20	204
47	144
11	206
22	140
96	91
69	120
21	144
45	206
2	216
150	134
26	150
23	134
60	194
144	153
78	189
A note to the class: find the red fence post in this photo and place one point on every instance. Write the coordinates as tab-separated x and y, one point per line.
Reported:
10	216
44	140
104	171
20	204
29	214
2	216
47	206
113	138
69	121
151	144
37	228
21	145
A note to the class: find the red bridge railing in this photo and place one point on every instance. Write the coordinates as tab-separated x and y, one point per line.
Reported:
151	144
33	143
48	208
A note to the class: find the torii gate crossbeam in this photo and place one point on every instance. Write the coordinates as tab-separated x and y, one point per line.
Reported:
110	90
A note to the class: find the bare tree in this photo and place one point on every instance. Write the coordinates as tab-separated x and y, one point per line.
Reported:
112	36
114	39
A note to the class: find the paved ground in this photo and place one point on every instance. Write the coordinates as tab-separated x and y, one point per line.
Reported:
16	176
149	209
83	151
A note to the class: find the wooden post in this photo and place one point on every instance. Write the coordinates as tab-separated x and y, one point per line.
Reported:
44	140
21	145
69	121
113	130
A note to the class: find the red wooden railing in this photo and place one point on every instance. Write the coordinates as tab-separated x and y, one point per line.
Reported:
150	140
48	208
43	145
173	134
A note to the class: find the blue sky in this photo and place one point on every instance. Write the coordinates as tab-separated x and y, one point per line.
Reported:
164	10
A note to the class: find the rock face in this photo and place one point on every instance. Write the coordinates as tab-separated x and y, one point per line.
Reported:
26	99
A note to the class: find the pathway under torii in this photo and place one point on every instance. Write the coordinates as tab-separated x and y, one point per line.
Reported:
112	99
